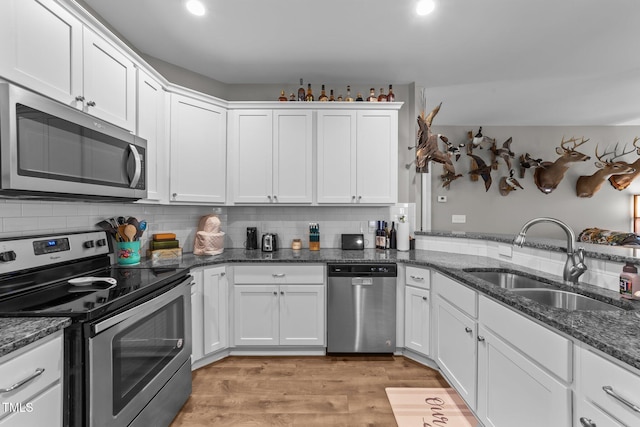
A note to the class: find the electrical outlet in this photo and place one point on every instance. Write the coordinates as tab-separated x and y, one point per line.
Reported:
372	226
458	219
442	199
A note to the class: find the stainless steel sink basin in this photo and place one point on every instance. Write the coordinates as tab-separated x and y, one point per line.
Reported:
565	300
510	280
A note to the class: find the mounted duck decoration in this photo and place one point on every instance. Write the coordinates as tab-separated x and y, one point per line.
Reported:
503	152
549	174
622	181
482	169
476	141
508	184
448	175
527	162
587	186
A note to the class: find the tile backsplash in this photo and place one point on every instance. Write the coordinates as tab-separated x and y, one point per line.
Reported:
22	218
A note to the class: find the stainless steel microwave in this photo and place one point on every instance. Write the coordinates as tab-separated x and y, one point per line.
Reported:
50	151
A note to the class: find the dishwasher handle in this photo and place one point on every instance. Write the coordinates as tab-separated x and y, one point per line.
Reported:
361	281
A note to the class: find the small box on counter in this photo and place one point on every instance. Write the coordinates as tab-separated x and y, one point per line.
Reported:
164	244
158	237
164	254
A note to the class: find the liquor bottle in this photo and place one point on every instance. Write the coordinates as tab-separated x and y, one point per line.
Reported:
372	96
301	93
323	95
382	97
331	97
359	97
309	96
349	98
390	96
283	97
380	235
387	236
292	97
340	98
393	242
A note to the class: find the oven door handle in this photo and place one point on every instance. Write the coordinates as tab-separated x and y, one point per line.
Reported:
145	308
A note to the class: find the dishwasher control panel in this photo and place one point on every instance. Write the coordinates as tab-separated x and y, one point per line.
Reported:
351	270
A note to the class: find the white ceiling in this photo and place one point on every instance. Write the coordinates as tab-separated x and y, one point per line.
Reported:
500	62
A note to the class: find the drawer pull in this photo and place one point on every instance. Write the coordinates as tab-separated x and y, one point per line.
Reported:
480	338
609	390
19	384
278	274
586	422
468	329
416	277
424	298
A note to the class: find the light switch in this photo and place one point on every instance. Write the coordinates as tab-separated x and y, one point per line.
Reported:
458	219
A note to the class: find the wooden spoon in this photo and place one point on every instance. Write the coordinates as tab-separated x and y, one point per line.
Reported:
123	237
130	232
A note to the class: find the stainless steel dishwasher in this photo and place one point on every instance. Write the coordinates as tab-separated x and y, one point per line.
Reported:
361	308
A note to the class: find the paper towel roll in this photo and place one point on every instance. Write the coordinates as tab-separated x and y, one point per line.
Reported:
403	236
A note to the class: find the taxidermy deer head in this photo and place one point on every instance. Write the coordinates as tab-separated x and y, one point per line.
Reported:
549	174
587	186
620	182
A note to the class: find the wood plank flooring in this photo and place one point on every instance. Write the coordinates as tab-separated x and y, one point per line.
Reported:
331	391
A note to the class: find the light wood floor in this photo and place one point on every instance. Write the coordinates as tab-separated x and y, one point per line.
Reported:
300	391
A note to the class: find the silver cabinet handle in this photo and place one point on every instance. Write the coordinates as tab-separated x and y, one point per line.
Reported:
278	274
137	173
424	298
223	274
359	197
609	390
281	292
174	195
269	197
416	277
91	103
19	384
80	98
353	198
275	198
586	422
275	293
468	329
480	338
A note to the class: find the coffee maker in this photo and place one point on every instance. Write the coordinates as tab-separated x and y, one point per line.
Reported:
252	238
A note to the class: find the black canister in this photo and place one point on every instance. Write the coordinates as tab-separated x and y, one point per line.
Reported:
252	238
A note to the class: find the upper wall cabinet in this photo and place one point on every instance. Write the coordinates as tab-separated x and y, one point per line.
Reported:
270	156
45	48
357	156
198	151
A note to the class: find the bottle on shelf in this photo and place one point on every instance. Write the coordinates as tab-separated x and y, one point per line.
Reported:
372	96
309	95
292	97
387	235
359	97
393	242
349	98
323	95
382	97
283	97
301	92
380	235
340	98
331	97
391	96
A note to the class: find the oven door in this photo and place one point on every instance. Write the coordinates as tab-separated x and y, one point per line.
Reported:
134	354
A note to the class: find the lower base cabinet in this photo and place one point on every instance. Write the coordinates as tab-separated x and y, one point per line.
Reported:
209	312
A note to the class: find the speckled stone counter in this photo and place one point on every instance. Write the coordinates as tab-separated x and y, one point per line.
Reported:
17	332
616	333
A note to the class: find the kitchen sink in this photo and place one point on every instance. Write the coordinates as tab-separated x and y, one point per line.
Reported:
508	280
565	300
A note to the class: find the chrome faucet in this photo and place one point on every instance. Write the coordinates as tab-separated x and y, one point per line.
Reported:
574	266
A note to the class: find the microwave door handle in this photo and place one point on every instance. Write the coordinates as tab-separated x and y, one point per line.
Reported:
138	166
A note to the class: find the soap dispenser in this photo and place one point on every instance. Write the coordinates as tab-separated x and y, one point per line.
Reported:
629	280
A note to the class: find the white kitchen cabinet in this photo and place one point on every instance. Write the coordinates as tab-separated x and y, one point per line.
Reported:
279	305
48	50
417	325
151	127
37	401
197	317
216	316
357	156
271	151
198	151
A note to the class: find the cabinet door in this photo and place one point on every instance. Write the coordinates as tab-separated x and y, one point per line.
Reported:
377	156
251	146
41	48
292	149
589	415
215	310
512	390
256	315
198	151
417	325
456	349
109	85
336	170
150	126
197	319
44	409
302	315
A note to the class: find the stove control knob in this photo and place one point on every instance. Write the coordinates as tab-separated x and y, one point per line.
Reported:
88	244
101	242
7	256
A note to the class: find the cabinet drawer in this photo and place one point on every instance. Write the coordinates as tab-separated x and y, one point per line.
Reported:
543	346
278	273
597	372
457	294
418	277
47	356
43	410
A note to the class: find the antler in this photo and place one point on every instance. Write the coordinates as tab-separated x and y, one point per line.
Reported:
574	141
615	156
636	139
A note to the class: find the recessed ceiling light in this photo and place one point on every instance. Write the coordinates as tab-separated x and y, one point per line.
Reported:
425	7
196	7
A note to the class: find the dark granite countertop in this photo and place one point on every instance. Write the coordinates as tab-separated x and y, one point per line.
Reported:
616	333
17	332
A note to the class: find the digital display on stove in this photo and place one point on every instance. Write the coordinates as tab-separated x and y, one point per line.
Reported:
42	247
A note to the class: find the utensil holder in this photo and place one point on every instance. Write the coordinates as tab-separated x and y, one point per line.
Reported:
128	253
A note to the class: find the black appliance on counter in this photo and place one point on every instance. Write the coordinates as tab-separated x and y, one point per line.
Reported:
127	351
269	242
252	238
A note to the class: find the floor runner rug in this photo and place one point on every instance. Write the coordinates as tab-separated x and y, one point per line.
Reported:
429	407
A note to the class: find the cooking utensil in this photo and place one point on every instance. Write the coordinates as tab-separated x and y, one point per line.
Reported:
85	281
134	221
121	220
122	236
130	232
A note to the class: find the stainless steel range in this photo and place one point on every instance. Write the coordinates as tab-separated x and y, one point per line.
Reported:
127	351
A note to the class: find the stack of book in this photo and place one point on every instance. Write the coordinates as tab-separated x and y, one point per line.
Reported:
164	246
